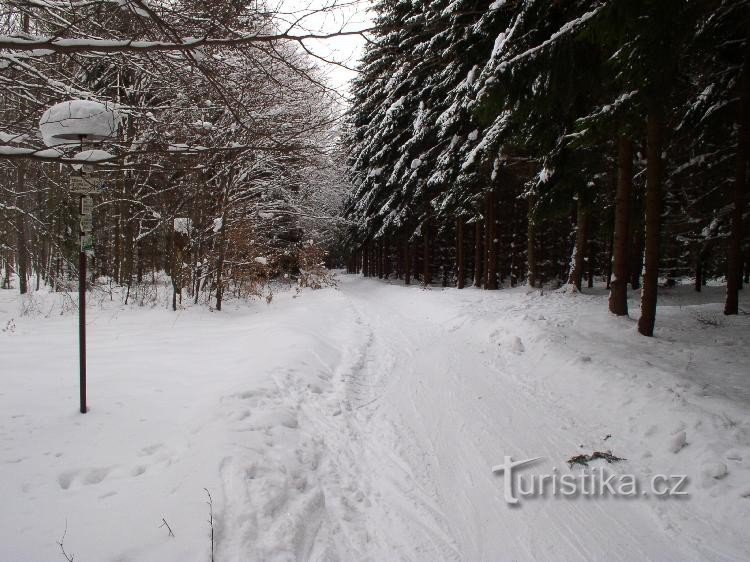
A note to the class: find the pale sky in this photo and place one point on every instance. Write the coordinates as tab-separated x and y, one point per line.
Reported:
337	15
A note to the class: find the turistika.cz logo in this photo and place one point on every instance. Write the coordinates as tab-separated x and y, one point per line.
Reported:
596	482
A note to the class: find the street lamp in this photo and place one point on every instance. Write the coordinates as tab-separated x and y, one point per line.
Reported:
75	122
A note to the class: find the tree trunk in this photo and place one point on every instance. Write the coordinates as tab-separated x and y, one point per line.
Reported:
379	258
220	266
699	274
618	295
731	305
407	263
460	253
653	205
636	263
478	230
532	273
427	263
575	276
399	260
22	252
490	282
222	247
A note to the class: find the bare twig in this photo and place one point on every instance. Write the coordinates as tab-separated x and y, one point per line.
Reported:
210	503
61	544
165	524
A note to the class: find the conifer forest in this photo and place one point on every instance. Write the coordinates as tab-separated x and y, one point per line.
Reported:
553	143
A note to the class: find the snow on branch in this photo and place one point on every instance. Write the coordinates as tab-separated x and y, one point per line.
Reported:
567	29
51	45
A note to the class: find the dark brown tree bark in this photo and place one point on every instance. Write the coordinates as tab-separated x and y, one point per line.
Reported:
478	231
618	295
739	195
653	204
460	257
490	265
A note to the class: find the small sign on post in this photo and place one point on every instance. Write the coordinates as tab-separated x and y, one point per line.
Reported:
87	223
83	185
87	244
87	205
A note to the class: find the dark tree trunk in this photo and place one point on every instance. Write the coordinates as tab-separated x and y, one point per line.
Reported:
490	282
636	263
222	248
478	230
582	227
379	258
460	247
698	274
427	263
532	273
653	203
731	305
139	267
407	263
399	260
220	267
618	296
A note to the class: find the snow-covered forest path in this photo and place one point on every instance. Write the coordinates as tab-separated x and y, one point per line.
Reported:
438	392
362	423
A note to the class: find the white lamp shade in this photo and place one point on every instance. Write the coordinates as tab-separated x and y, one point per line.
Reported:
71	121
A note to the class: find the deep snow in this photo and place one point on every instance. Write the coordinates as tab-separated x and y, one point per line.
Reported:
361	423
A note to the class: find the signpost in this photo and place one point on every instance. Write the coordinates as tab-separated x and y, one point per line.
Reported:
84	185
73	123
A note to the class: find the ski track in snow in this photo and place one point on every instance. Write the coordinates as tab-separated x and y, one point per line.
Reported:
366	428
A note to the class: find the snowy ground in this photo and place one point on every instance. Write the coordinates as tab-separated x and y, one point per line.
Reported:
361	423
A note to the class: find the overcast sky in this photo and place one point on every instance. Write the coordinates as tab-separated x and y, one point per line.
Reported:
337	15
